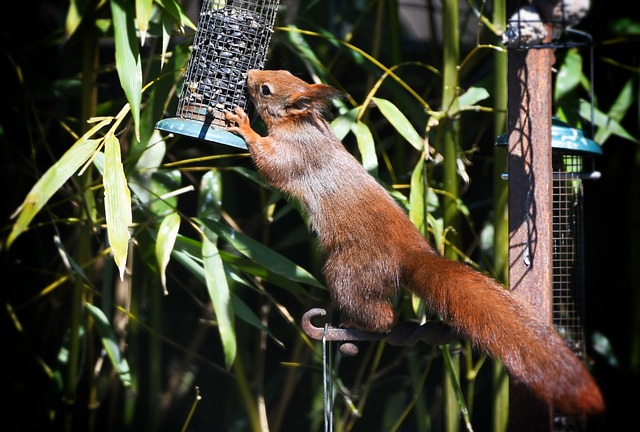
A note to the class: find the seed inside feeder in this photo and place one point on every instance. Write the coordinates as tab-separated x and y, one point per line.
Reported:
229	41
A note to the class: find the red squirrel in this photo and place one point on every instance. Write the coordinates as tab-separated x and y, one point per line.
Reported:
373	250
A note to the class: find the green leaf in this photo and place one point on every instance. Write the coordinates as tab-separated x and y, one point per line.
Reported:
210	197
367	147
471	97
117	202
128	57
143	14
74	17
53	179
417	196
568	78
398	120
165	241
607	126
110	344
262	254
342	124
218	288
175	10
184	254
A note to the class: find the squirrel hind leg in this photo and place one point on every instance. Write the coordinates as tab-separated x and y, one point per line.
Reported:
372	315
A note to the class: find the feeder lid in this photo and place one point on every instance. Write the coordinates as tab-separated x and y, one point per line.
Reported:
200	130
565	137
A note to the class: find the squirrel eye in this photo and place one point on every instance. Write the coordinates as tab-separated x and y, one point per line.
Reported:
265	90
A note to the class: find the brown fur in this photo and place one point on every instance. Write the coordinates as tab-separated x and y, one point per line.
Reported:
373	250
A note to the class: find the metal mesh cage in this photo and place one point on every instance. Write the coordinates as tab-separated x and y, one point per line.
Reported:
568	250
569	170
232	37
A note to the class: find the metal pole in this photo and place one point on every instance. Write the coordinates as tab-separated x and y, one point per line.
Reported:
529	166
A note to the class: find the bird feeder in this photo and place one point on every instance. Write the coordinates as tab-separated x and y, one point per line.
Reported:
231	38
573	161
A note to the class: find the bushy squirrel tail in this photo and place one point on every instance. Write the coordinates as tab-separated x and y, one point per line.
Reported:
497	323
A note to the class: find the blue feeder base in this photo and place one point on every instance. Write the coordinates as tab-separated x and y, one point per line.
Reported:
200	130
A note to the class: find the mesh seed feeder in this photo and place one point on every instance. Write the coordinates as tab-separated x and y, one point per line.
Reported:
232	37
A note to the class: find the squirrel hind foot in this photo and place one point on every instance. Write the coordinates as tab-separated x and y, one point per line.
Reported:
376	317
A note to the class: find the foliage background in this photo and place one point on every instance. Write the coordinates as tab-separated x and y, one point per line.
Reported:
171	343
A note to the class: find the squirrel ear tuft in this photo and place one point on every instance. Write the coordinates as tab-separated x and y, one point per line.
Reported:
315	98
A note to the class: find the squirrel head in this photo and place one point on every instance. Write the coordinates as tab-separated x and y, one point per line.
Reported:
279	96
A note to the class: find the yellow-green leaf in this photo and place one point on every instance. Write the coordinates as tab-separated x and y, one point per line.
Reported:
400	122
51	181
367	147
128	57
216	281
110	344
418	198
175	10
143	14
165	241
117	202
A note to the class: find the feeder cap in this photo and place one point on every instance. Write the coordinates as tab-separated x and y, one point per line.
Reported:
200	130
565	137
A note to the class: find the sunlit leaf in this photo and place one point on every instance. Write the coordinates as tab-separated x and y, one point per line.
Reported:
166	239
472	96
74	16
110	344
117	202
400	122
219	293
53	179
342	124
367	147
418	197
210	196
128	57
143	14
569	74
607	126
175	10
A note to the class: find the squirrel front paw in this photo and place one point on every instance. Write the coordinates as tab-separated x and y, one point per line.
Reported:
240	125
238	120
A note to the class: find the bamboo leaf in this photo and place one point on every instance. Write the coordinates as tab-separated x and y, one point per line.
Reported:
110	344
262	254
471	97
417	196
143	14
400	122
128	57
569	75
51	181
607	126
342	124
173	8
117	202
367	147
183	253
218	288
74	17
167	233
210	197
